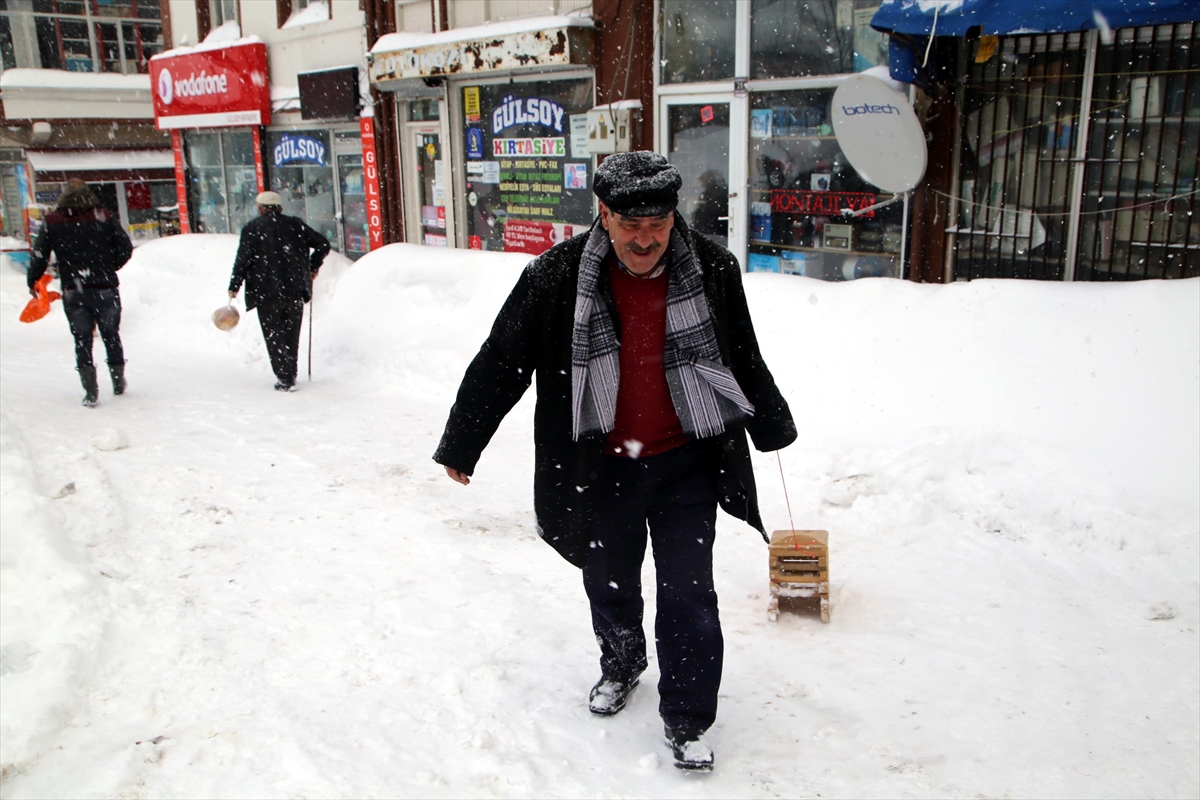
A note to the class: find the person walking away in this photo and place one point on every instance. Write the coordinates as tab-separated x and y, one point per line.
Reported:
649	377
278	259
90	247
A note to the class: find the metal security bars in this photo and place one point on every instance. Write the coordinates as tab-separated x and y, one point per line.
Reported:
1077	158
1139	197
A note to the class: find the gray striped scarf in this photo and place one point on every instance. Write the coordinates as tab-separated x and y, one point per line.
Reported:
704	392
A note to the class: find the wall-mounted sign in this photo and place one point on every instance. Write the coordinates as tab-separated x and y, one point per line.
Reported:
329	93
227	87
366	127
298	148
553	47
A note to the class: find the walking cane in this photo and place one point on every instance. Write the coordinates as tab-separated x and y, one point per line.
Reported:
312	302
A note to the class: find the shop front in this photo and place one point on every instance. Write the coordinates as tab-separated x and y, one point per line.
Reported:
493	132
215	102
743	111
316	163
131	183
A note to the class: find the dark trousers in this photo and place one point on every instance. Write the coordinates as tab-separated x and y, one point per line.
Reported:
280	321
91	309
675	494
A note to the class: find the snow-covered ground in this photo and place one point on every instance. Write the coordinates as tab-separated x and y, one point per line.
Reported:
211	589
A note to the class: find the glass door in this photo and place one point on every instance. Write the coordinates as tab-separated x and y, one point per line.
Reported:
697	143
354	206
426	184
353	241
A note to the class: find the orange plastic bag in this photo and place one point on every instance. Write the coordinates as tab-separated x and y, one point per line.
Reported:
39	306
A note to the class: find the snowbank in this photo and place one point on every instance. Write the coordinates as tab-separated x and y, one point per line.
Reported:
281	595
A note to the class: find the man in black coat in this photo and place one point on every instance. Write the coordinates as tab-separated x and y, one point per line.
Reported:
278	257
90	248
648	377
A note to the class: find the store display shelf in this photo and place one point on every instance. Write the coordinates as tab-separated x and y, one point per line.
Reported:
832	250
818	138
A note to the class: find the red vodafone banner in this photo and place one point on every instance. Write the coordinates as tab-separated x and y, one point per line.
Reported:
366	126
220	88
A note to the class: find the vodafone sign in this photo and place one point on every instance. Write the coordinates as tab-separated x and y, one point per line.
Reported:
219	88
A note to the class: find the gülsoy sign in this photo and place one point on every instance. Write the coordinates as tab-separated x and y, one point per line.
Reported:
219	88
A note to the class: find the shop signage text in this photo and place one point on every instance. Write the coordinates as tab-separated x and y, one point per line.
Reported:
545	48
548	146
866	108
535	238
527	111
366	127
224	87
823	204
299	148
192	86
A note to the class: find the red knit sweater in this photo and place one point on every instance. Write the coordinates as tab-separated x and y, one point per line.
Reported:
646	422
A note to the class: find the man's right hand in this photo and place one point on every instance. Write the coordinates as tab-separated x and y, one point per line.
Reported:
458	477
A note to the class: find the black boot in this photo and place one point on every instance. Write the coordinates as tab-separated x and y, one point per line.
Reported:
117	372
87	376
690	750
610	695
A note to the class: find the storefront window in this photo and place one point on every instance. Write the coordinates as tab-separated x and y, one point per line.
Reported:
222	184
302	173
698	40
815	37
528	168
801	190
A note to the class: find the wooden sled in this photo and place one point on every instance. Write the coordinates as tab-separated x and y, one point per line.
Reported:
799	570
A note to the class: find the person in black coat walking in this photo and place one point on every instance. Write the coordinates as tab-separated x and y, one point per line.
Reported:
278	258
649	377
90	248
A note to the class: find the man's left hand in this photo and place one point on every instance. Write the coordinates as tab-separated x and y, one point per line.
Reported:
314	275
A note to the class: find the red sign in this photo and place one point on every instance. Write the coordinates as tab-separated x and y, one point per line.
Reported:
222	88
180	182
525	236
366	126
258	162
821	204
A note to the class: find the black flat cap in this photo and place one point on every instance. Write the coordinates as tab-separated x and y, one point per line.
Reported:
639	184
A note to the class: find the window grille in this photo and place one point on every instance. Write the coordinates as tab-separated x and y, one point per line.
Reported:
1034	202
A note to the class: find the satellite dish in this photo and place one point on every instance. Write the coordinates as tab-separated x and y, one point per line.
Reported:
879	133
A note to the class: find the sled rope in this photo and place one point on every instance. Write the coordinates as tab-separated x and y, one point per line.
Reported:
787	500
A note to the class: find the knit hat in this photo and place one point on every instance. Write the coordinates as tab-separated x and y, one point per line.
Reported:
638	184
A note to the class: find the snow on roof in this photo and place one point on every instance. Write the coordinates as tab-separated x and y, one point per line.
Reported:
78	160
406	41
221	37
285	98
314	12
22	78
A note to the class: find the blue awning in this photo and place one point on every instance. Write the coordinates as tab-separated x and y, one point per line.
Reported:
1003	17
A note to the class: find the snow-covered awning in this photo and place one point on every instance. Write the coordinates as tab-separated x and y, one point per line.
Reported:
1002	17
94	160
536	43
48	94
